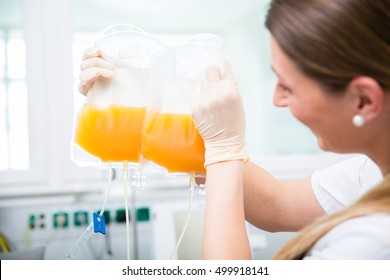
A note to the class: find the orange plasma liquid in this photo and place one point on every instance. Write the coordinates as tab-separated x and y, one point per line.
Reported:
111	134
172	141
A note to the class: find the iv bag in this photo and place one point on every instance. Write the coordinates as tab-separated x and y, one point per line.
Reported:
109	126
171	139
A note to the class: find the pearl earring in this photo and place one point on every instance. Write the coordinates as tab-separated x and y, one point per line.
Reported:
358	120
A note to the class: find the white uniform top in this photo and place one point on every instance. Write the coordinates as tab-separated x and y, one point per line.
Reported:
342	184
365	237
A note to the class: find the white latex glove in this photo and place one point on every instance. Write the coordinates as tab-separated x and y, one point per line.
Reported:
219	116
94	66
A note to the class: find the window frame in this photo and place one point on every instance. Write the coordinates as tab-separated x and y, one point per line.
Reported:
47	32
35	173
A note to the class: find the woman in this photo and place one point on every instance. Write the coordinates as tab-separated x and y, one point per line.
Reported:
332	59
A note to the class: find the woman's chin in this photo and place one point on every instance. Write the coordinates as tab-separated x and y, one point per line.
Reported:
322	145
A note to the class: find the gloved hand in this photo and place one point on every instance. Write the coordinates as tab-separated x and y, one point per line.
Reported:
219	116
94	66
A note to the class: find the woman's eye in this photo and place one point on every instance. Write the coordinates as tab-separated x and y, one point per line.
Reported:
284	88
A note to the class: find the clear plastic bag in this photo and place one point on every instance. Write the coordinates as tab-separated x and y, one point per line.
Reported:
144	111
109	126
171	139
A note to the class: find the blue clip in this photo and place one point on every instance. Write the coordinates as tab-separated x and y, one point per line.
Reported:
99	225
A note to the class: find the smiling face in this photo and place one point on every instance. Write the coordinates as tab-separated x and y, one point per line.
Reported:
327	115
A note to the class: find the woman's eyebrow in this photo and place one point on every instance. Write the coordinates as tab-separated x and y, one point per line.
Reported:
281	78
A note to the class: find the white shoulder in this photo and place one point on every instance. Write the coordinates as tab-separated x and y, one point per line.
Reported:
341	184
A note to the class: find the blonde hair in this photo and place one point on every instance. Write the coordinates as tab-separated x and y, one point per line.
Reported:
375	201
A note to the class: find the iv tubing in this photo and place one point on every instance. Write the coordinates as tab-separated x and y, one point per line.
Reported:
192	183
125	177
81	241
89	230
109	189
134	220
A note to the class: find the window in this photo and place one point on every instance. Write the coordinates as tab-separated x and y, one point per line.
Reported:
36	99
18	160
14	144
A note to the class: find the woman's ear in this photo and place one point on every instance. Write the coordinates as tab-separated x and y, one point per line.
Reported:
368	97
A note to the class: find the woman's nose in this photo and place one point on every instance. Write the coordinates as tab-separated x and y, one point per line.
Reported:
280	98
